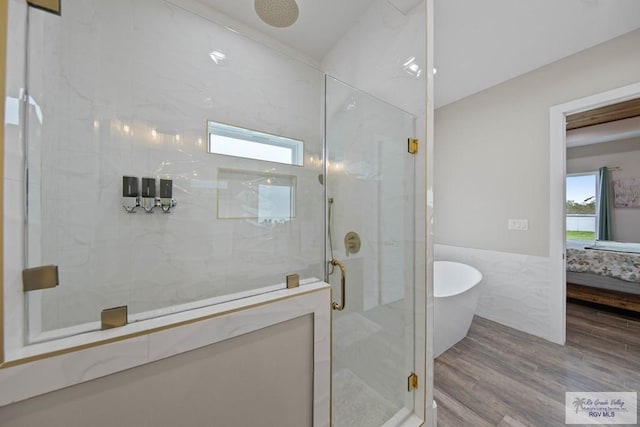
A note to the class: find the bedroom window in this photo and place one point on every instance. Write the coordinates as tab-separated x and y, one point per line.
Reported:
582	206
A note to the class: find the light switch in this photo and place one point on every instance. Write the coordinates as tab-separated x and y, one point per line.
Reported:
518	224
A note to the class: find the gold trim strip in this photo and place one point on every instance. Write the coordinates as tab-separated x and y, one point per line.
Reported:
53	6
4	6
17	362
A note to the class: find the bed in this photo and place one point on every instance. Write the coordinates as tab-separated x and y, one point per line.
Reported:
605	273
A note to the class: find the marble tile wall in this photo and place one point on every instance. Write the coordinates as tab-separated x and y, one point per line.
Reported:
384	54
371	57
125	88
515	288
366	151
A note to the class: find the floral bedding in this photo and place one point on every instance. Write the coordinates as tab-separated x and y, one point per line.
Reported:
623	266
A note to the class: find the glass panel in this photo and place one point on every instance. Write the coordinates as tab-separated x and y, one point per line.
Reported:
370	186
250	144
108	103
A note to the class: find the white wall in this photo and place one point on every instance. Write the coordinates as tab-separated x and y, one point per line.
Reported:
492	148
624	154
492	152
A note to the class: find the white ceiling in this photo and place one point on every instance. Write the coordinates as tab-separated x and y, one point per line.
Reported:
478	44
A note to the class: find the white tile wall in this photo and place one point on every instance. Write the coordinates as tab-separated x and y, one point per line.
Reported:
371	56
371	179
116	71
514	289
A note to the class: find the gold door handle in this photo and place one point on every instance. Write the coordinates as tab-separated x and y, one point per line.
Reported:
334	304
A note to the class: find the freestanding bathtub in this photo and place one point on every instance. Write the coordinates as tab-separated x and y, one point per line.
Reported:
456	293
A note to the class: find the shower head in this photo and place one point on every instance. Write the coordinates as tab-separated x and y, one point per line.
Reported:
277	13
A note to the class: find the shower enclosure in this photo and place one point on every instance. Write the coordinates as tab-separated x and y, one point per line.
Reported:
165	179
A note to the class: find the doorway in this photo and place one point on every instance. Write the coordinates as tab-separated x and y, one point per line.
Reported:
557	194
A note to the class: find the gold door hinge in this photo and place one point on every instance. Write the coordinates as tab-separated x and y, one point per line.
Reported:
412	382
412	145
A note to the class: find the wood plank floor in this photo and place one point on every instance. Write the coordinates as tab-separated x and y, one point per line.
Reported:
498	376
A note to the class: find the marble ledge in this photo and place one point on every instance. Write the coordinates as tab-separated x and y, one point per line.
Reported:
168	342
161	322
85	357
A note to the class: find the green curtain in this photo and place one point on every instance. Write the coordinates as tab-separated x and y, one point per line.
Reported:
604	206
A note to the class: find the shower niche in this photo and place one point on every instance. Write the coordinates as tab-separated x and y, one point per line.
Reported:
266	198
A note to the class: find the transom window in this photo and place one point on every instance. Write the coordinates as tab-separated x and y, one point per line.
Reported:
250	144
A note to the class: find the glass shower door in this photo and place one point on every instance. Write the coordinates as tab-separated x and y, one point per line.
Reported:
370	203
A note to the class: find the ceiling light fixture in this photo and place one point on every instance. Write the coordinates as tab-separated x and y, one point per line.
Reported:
277	13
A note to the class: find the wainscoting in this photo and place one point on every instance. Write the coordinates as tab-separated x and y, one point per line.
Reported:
515	291
498	376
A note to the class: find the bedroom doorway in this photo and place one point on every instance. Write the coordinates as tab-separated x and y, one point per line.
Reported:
567	158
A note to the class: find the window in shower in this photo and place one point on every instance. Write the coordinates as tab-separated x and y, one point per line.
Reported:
250	144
